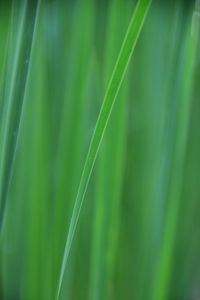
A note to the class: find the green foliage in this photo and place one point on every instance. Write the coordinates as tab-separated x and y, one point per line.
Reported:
138	230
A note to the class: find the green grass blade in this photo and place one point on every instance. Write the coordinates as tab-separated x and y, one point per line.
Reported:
130	40
109	180
15	99
177	160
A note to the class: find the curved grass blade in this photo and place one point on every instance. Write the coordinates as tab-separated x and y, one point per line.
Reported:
15	96
120	68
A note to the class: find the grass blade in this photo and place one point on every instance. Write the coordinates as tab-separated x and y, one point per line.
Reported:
108	187
177	160
15	99
109	99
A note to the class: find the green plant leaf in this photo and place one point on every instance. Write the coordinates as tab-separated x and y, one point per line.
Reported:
120	68
179	137
13	97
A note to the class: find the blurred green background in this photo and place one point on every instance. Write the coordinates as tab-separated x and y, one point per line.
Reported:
138	235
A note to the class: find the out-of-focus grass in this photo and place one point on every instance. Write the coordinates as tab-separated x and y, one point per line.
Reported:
138	236
14	88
